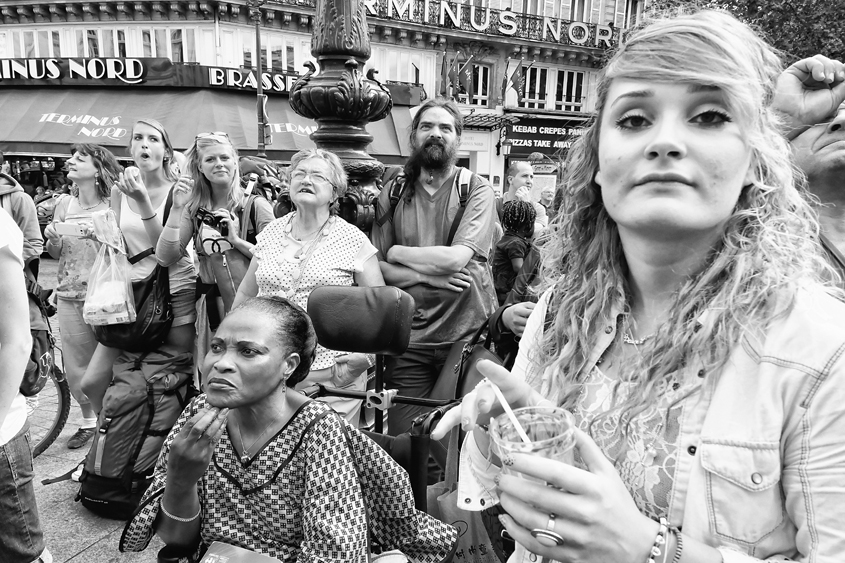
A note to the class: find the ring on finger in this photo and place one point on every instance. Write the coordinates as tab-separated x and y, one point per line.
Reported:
547	536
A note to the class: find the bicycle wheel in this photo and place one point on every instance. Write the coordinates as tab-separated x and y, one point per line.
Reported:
48	412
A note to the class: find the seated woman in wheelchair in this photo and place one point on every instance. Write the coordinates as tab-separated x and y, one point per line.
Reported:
254	463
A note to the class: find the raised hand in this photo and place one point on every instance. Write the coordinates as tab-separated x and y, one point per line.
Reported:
191	450
481	404
182	191
232	223
810	91
515	316
523	194
51	235
131	185
594	511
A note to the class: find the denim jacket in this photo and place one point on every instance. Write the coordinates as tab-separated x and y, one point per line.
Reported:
761	471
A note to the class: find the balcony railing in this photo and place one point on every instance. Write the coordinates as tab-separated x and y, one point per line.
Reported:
503	23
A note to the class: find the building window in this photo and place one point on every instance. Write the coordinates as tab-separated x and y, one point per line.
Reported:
480	87
57	44
29	44
569	91
535	88
121	43
291	61
532	7
190	46
108	42
633	12
177	55
578	9
92	44
161	42
147	40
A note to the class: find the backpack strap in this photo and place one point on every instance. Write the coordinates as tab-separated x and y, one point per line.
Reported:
248	213
463	180
397	188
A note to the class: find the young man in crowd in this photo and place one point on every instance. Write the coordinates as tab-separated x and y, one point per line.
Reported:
21	539
437	250
520	180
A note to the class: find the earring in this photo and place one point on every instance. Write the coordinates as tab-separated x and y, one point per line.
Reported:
97	181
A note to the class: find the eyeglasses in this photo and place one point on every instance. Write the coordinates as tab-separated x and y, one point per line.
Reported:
316	177
212	135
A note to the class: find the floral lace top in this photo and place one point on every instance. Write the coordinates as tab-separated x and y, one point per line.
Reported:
77	257
647	461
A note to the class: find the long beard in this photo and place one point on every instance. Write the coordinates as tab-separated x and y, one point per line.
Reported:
434	157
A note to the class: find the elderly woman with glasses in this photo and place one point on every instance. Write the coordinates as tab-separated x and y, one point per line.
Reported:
312	247
210	208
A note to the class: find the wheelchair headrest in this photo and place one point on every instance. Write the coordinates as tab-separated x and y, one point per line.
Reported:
369	320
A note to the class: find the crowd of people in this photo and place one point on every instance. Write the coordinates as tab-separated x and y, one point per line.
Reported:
680	294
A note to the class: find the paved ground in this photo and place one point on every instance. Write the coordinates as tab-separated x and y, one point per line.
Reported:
72	533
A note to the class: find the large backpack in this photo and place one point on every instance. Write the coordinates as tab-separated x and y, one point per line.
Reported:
148	393
397	188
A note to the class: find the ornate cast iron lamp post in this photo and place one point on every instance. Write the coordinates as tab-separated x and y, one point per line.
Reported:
338	96
255	14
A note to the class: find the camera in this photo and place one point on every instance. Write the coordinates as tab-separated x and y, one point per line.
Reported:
213	220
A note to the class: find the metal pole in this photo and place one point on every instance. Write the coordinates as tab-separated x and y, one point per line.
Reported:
259	102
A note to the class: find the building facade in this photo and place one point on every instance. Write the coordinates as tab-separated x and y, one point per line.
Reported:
555	46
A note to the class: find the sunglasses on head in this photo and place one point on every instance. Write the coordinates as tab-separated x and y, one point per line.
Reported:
212	135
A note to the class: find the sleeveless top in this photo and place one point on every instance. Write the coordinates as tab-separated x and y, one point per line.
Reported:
77	256
182	274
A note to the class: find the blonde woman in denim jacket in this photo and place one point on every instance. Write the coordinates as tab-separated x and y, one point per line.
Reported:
687	331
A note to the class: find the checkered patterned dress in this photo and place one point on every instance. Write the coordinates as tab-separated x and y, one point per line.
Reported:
300	499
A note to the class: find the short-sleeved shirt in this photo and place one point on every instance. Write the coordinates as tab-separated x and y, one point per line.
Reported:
443	317
509	247
334	260
12	237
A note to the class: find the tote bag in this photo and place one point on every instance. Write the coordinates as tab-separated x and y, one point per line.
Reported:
474	545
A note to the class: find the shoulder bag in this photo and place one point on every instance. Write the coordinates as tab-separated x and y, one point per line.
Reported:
230	266
153	307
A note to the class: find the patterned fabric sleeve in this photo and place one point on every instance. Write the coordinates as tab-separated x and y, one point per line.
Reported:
139	530
333	512
394	521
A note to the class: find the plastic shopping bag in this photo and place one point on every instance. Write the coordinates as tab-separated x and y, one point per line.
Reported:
110	299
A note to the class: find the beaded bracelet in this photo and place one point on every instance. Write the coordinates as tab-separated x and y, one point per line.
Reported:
679	545
659	541
179	518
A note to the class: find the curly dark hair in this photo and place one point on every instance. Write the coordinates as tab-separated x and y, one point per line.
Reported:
518	216
293	328
106	163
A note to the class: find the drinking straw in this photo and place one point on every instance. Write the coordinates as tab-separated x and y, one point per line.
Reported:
509	411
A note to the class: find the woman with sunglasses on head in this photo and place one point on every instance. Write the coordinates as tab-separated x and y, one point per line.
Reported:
312	247
140	201
93	171
207	203
688	328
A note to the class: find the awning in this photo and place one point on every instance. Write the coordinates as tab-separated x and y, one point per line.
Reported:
49	120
